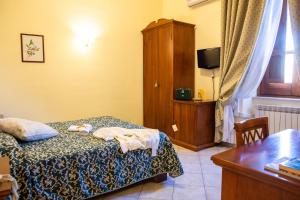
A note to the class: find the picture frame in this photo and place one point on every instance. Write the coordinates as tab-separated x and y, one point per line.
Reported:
32	48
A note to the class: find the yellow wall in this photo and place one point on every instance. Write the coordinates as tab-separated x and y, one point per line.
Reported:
106	79
206	16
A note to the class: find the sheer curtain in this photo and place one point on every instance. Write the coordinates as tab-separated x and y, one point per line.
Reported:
252	66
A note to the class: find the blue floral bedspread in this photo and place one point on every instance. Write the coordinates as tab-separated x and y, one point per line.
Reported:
73	166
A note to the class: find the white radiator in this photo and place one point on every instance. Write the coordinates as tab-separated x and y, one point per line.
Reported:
280	117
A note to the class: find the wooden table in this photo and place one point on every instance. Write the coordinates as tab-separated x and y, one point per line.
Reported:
5	188
243	173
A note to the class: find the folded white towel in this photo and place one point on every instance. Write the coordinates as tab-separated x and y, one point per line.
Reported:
131	139
81	128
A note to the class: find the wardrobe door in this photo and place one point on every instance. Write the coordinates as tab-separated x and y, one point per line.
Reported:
165	79
150	93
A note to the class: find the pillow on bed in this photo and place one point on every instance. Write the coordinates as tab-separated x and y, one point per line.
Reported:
26	130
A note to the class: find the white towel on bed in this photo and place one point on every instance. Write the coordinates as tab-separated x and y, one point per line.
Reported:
81	128
131	139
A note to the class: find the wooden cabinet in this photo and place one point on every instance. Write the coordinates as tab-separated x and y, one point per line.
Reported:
195	121
169	62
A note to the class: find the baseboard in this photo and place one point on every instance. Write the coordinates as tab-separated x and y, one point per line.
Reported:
192	147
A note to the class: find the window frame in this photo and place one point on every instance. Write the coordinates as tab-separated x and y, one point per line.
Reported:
276	87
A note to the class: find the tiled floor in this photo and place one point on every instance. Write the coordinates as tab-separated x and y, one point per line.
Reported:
201	180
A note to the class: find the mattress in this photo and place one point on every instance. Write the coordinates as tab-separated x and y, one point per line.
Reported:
75	166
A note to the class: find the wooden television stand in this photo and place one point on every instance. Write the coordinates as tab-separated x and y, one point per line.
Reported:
195	121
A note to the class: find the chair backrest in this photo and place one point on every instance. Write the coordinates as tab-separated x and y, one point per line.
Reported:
250	130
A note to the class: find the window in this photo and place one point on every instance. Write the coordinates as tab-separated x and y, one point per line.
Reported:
289	52
281	79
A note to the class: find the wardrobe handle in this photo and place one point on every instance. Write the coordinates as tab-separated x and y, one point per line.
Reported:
156	85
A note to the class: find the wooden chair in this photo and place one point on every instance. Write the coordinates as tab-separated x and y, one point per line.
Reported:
250	130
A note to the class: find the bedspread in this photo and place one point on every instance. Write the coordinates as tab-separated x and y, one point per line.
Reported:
74	166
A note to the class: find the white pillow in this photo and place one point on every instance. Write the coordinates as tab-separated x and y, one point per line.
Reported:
26	130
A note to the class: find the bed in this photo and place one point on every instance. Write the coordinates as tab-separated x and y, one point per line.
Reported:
74	166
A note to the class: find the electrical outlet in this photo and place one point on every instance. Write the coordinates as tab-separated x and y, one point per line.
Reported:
174	127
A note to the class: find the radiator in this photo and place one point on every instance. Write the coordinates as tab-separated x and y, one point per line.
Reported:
280	117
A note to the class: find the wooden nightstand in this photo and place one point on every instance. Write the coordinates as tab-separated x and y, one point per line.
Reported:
5	188
195	121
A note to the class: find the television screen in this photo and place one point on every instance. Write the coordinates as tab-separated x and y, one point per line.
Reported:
209	58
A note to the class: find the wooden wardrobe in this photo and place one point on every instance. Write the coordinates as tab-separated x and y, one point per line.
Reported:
169	63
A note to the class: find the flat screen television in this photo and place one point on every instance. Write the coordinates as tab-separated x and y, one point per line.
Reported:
209	58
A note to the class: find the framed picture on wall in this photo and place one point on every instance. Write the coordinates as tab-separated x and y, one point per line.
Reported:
32	48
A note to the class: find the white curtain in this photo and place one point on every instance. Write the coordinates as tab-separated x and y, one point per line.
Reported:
256	67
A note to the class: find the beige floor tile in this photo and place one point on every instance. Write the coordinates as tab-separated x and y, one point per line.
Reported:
141	198
211	169
189	159
187	152
205	160
126	194
190	179
213	193
157	191
191	168
208	151
180	153
201	180
212	179
213	150
184	192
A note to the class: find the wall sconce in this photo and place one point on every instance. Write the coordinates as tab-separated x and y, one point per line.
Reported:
85	35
